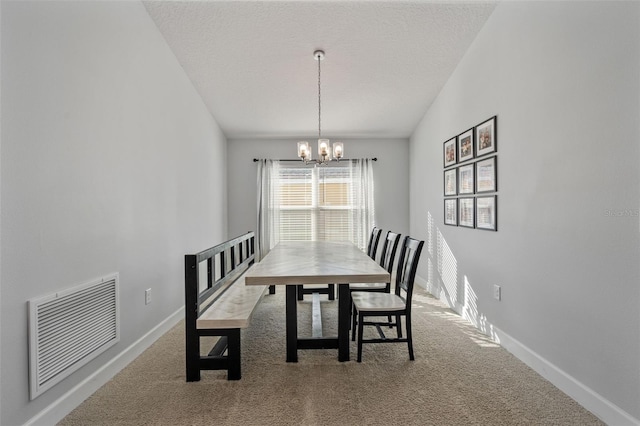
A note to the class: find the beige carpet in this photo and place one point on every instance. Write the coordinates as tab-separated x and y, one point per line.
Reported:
459	377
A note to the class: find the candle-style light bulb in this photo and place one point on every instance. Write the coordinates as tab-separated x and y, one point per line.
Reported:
338	150
324	149
303	151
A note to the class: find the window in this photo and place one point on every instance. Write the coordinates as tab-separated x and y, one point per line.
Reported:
322	203
306	203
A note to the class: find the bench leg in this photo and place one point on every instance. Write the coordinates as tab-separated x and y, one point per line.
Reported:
233	355
193	355
272	289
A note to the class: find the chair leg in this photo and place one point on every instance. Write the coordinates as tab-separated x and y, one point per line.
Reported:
354	313
399	326
360	330
409	338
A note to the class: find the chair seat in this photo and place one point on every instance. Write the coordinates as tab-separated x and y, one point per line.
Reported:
365	301
368	286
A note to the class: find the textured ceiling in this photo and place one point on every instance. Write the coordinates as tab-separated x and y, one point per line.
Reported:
252	62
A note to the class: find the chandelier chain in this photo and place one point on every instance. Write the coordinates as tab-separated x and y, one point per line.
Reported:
325	149
319	104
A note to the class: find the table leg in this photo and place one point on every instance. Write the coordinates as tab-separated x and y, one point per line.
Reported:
292	323
344	307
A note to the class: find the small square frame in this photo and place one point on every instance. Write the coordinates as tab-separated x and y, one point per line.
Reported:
486	175
466	212
465	146
486	137
466	179
451	211
450	153
451	182
487	213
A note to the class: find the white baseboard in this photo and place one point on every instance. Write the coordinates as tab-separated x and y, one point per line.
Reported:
583	395
74	397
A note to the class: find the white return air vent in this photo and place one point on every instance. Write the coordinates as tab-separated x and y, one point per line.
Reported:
70	328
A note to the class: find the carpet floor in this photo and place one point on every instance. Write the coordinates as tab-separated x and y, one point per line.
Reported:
459	377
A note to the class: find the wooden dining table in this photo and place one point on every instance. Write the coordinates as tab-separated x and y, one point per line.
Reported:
292	263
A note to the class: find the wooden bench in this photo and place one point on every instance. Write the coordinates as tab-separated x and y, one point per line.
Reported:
220	306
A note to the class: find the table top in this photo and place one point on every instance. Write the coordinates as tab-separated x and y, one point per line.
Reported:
315	262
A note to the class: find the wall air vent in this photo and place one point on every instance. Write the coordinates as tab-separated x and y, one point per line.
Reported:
70	328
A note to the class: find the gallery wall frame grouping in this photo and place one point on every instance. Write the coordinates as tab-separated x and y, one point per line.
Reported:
473	143
471	176
472	212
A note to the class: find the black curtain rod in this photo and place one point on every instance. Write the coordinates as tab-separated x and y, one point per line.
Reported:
255	160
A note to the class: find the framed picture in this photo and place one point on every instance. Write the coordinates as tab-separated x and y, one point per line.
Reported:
465	179
465	146
486	175
486	137
466	212
486	213
450	157
451	211
450	182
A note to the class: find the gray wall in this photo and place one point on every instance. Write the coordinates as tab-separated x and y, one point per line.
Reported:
110	163
563	78
390	174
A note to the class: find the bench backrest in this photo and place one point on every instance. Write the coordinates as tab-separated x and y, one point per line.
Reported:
225	263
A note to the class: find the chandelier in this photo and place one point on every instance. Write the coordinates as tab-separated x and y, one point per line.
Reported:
324	145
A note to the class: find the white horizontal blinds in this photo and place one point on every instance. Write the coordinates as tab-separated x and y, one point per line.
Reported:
321	203
334	204
296	203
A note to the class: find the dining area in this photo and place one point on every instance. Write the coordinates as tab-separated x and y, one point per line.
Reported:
443	371
294	264
221	304
458	375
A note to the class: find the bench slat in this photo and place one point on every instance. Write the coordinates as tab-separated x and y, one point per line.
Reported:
234	307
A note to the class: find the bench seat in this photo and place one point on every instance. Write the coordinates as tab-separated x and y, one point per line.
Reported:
234	308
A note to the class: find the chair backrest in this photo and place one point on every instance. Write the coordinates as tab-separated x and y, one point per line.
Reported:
407	267
388	255
389	249
372	247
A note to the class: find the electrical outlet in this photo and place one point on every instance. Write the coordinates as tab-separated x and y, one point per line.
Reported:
147	296
497	292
